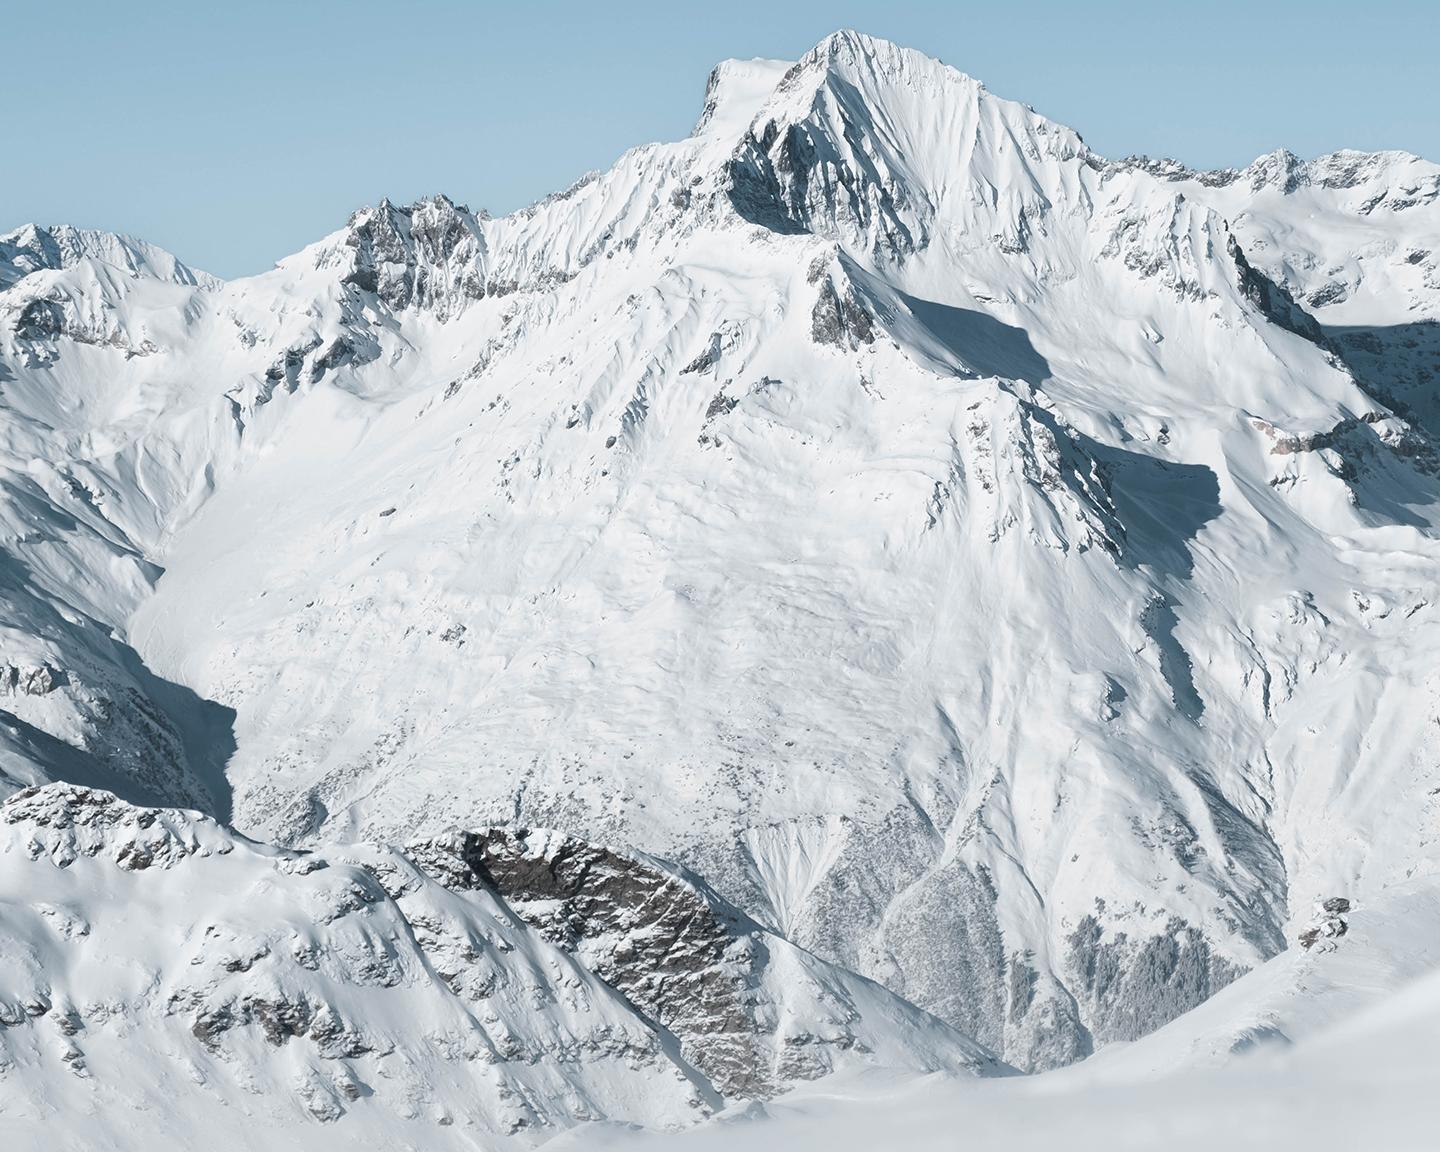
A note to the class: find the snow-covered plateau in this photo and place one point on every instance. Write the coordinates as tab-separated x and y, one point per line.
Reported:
823	617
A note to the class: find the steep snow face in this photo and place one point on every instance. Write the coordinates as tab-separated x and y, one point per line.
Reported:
394	990
735	92
966	553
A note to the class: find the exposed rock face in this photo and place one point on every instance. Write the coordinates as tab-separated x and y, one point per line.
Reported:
839	320
429	255
819	171
1327	924
731	992
386	991
1274	302
650	935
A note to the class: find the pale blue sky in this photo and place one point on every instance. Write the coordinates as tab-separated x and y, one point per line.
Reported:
234	134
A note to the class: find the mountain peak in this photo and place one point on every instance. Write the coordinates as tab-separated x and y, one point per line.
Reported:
870	140
426	253
736	90
34	248
848	51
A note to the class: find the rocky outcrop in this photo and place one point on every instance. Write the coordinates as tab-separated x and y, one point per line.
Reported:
30	680
1327	924
750	1010
1273	301
63	824
682	959
429	255
839	319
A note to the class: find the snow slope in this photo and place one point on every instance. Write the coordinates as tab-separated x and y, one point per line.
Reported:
154	963
1003	572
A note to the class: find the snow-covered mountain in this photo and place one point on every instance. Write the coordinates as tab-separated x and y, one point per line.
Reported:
995	570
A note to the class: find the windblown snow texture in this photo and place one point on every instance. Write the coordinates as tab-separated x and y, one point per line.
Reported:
999	571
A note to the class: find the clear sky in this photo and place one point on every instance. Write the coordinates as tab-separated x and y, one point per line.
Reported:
235	133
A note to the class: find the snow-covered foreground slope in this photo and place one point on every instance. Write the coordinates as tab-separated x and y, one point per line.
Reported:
153	963
997	570
1371	1088
1327	1049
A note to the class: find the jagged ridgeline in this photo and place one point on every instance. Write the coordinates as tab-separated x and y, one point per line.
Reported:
999	578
